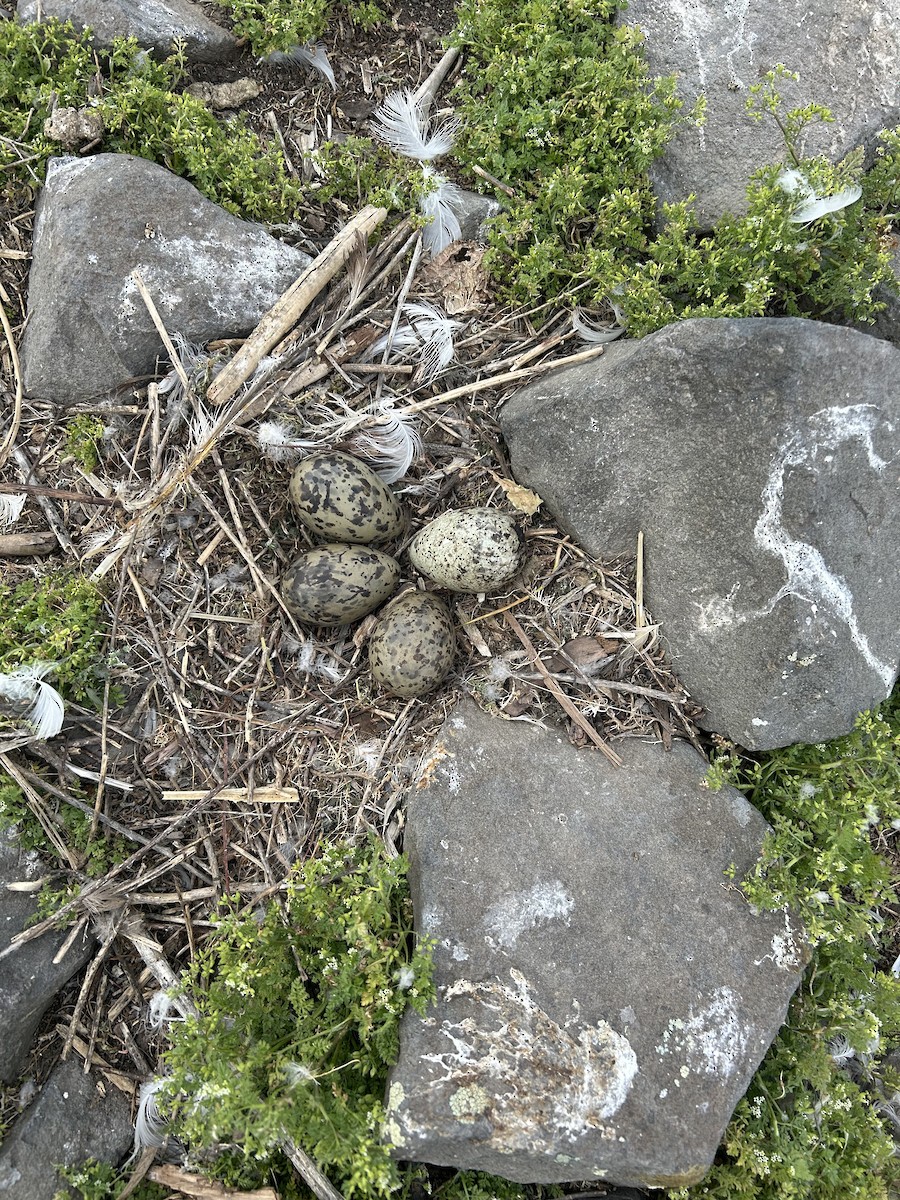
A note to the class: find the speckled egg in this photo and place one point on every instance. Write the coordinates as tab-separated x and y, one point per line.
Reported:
469	550
412	647
334	584
339	498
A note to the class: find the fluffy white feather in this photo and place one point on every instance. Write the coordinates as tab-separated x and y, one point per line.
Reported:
11	508
149	1125
403	122
440	206
27	686
427	335
278	443
313	55
389	445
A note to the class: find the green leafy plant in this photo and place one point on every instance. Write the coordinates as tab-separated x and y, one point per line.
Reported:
143	114
99	1181
282	24
557	102
298	1020
84	437
809	1127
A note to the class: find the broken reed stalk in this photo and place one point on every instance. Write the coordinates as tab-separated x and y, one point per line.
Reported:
562	699
13	431
309	1172
427	91
288	309
482	385
162	331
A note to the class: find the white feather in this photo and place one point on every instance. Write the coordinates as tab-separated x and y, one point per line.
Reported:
402	122
26	685
149	1125
810	205
159	1008
277	443
389	445
313	54
427	335
439	206
11	508
591	333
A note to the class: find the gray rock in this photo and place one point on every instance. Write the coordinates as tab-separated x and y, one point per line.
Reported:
155	24
98	220
755	455
474	211
75	1117
604	992
846	60
29	979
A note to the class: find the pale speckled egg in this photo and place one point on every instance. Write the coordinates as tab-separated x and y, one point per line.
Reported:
412	647
341	499
469	550
334	584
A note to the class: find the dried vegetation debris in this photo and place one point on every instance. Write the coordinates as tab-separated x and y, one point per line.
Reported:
230	740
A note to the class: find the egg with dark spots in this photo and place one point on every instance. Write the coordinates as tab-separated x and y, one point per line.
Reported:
334	584
339	498
469	550
412	647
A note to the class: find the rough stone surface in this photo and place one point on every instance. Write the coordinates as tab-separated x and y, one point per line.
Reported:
75	1117
759	457
98	220
846	57
155	24
474	211
604	995
28	978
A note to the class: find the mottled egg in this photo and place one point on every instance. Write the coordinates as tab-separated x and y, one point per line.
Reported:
412	647
469	550
339	498
334	584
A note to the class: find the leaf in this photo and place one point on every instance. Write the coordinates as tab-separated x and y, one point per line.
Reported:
521	498
589	654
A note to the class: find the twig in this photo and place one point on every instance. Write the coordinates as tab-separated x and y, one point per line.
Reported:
492	179
51	515
13	431
562	699
309	1172
162	331
430	87
199	1188
38	489
22	545
483	385
287	310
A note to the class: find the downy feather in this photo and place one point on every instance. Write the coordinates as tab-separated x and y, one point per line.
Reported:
427	336
312	54
149	1125
11	508
440	207
26	685
402	122
389	445
277	443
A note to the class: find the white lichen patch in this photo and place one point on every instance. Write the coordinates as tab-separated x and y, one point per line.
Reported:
517	912
808	577
711	1040
541	1079
788	948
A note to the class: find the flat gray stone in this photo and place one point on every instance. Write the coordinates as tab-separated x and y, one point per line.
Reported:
100	219
604	992
846	58
29	979
154	23
759	457
75	1117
